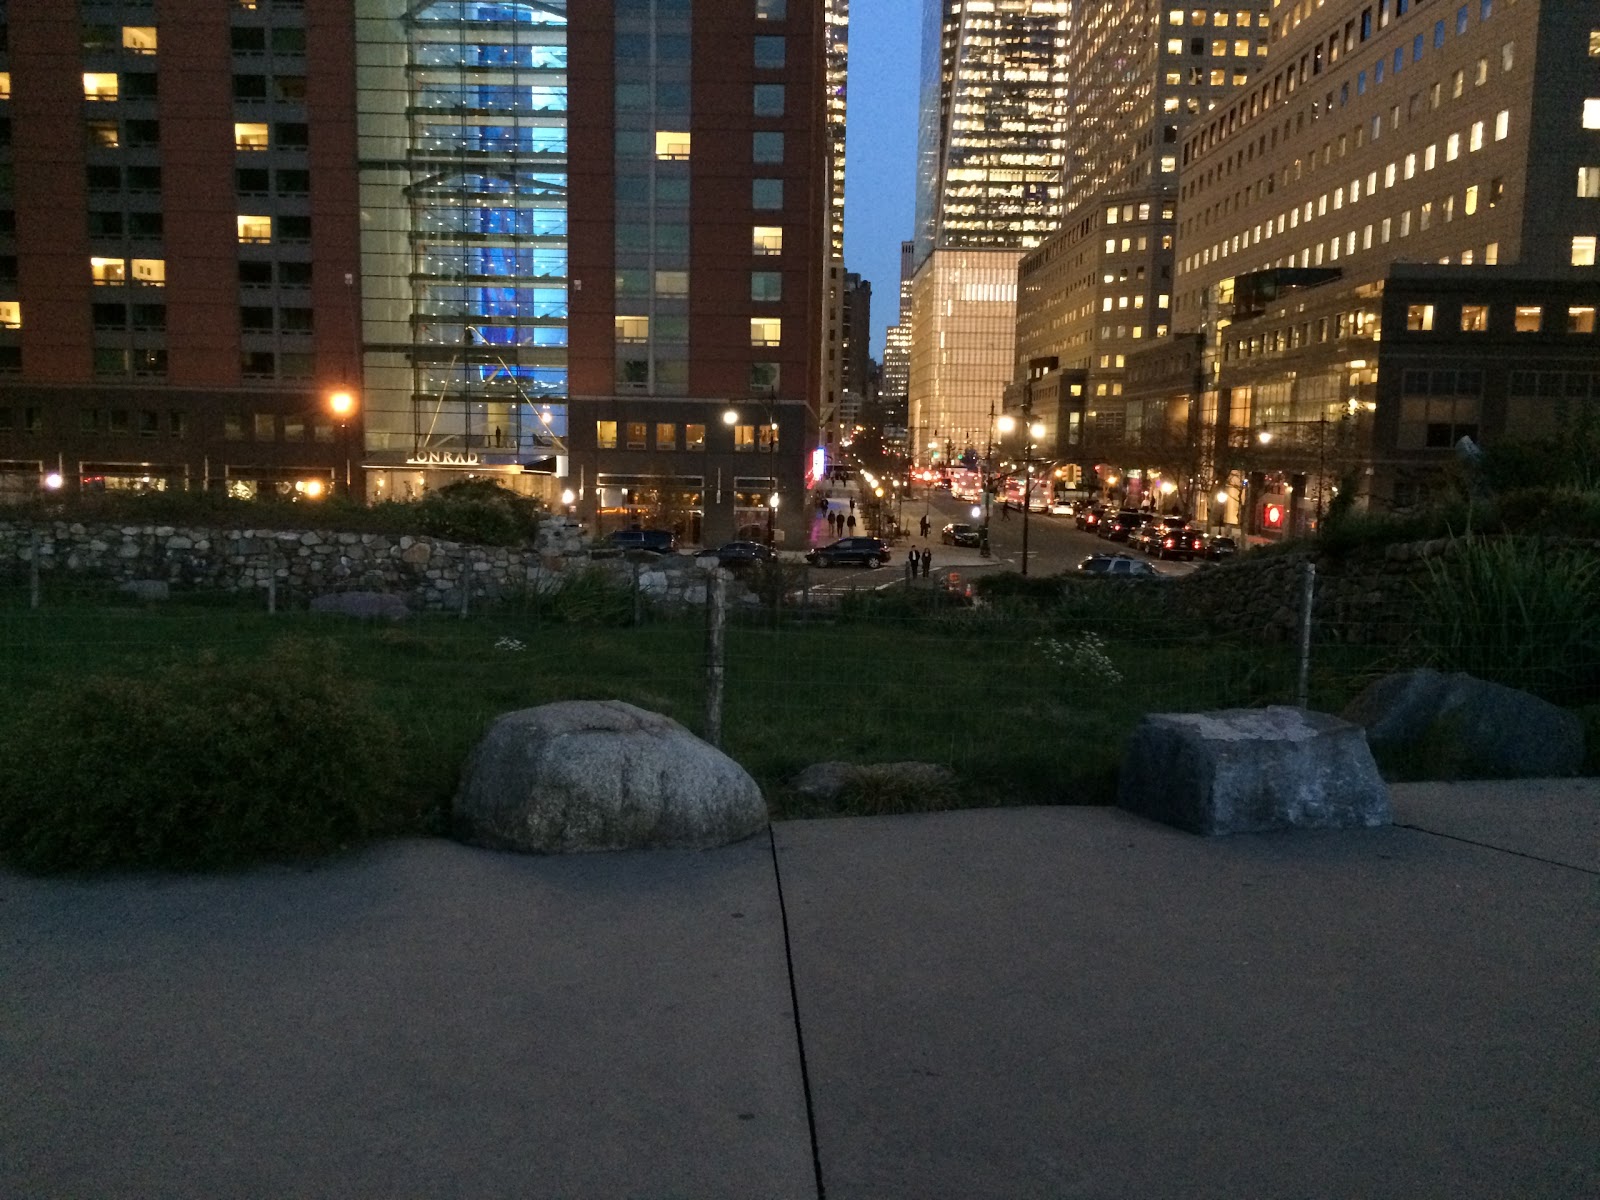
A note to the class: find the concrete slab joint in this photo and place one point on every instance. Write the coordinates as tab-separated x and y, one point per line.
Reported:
1252	770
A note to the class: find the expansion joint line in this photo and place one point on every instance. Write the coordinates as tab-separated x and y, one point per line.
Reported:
794	1006
1538	858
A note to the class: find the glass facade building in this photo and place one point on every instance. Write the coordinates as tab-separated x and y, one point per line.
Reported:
464	251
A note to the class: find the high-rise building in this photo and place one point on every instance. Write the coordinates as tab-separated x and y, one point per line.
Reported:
838	20
1101	287
897	355
178	246
586	248
1387	244
990	151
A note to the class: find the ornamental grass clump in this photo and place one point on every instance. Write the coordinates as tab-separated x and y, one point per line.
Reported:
203	764
1515	611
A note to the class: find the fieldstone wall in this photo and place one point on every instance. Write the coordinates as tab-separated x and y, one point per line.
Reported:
431	573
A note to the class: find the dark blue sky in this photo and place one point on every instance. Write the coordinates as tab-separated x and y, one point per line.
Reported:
881	148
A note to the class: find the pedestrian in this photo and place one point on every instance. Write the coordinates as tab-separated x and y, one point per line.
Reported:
911	564
850	521
833	523
924	526
852	504
927	561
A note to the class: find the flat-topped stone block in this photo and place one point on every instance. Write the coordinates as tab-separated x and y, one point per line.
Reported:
1252	769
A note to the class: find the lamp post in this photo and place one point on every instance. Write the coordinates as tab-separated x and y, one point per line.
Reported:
342	404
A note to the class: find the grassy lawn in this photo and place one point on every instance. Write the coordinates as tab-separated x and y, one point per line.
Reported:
988	694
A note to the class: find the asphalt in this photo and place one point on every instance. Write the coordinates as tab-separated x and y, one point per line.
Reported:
1031	1002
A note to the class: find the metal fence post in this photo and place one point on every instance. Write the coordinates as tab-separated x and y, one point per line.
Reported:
638	600
1307	597
33	568
716	631
272	580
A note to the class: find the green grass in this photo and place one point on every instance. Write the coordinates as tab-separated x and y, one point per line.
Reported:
974	690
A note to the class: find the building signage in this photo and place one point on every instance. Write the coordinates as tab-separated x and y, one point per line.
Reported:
444	458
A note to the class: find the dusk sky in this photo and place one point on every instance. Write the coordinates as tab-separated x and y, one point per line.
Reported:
881	148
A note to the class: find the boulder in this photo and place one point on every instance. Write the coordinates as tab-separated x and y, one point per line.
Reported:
146	589
1458	726
367	605
1250	770
602	775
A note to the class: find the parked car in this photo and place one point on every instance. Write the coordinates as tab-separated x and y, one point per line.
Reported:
1064	508
735	554
1219	546
1089	516
1170	537
1117	528
957	534
860	551
662	541
1117	566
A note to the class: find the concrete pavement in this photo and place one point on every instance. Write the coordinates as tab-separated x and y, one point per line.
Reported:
1065	1002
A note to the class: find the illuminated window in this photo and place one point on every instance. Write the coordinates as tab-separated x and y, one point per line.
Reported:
1591	112
1471	205
1491	253
605	435
1529	318
10	314
1580	320
255	229
694	437
766	239
1419	317
672	145
632	329
1452	147
1583	251
666	436
99	85
5	85
1475	139
250	135
103	135
637	431
108	270
766	331
152	272
139	39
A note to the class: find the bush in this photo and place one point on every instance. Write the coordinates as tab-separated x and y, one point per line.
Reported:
478	511
198	765
1514	611
1041	589
590	596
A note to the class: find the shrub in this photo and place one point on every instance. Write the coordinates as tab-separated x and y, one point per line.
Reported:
197	765
587	596
1515	611
1041	589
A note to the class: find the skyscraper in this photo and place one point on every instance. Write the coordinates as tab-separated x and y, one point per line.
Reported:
990	153
586	249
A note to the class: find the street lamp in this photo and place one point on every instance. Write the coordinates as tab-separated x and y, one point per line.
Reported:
342	404
772	515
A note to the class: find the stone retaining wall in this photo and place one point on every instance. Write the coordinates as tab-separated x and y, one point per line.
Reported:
431	573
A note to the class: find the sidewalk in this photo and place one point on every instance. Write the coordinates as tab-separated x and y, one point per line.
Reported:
1044	1002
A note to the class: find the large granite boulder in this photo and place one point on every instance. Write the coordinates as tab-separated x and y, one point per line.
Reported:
1249	770
371	606
602	775
1458	726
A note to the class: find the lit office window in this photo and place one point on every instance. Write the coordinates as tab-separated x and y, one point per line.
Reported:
1580	320
250	135
1419	318
1591	111
10	314
768	331
1583	251
605	435
1529	318
152	272
101	85
108	270
632	329
766	239
255	229
139	39
672	145
5	85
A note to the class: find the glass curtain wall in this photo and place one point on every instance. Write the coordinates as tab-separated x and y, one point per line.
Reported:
480	315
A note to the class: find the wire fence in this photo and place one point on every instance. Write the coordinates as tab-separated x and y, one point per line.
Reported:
1026	688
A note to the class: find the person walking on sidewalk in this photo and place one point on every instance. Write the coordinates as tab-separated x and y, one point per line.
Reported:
911	565
924	526
927	561
850	522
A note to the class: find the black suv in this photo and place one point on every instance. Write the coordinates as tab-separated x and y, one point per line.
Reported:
1117	528
662	541
862	551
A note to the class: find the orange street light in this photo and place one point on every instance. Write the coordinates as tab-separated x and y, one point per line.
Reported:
342	404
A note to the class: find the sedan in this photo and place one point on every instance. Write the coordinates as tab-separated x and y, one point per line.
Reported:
1219	546
860	551
1117	566
734	554
956	534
